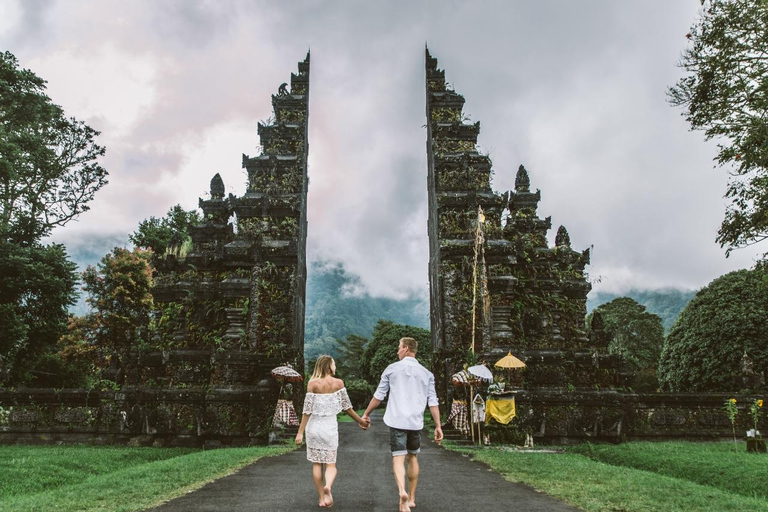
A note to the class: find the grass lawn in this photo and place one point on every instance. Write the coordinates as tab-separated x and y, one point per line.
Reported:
639	477
115	479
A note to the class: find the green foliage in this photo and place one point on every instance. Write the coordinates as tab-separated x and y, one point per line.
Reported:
725	320
725	94
638	336
163	234
119	292
666	303
334	309
48	162
350	353
381	351
37	287
317	347
360	392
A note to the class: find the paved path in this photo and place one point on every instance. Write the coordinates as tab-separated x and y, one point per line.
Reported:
448	482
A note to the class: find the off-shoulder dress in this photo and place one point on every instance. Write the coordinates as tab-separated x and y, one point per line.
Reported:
322	428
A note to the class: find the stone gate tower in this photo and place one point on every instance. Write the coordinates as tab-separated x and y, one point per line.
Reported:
531	298
231	306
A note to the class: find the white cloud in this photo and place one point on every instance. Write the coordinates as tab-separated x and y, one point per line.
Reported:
10	16
110	88
177	89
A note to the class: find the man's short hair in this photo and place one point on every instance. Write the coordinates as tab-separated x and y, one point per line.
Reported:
411	344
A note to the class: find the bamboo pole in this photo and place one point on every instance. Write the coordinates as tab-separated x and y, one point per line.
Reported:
478	244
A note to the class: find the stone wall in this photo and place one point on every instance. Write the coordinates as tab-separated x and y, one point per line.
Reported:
188	414
214	418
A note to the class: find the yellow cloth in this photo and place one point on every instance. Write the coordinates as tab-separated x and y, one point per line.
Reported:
501	410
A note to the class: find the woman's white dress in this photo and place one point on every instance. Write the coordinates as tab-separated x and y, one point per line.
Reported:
322	428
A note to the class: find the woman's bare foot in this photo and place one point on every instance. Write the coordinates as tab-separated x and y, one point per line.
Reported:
404	503
327	497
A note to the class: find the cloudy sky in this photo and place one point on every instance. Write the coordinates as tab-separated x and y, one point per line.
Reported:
575	91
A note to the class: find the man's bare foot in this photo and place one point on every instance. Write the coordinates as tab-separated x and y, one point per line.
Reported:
327	497
404	506
411	504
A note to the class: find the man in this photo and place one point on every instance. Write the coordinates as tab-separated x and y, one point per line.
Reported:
411	388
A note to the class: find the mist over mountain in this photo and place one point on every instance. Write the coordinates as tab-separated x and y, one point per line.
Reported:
666	302
338	304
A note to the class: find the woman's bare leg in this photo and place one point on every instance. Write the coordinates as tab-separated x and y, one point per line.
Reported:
330	476
317	478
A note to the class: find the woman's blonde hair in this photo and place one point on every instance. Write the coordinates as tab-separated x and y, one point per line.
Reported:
322	367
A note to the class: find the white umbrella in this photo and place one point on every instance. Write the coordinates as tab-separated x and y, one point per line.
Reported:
482	372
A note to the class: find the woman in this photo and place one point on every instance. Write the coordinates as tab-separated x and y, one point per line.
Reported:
326	397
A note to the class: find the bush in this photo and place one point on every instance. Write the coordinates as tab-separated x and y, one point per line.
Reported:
381	351
725	321
360	392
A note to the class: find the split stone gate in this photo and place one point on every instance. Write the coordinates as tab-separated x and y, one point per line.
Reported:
231	307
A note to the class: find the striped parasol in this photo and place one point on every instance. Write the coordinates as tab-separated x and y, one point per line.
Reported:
286	374
464	378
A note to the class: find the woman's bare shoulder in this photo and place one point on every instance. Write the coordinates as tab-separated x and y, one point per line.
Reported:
313	386
337	384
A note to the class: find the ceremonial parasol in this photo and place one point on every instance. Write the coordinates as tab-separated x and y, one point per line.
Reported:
286	374
284	411
509	361
481	372
463	378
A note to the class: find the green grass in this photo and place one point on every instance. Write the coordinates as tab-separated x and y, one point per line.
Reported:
719	465
594	485
115	479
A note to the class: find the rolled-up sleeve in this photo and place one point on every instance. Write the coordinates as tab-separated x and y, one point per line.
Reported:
431	393
383	389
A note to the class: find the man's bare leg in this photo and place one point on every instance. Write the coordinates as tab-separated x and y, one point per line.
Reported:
330	476
398	466
413	478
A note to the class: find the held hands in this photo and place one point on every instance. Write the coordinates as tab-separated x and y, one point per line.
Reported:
364	423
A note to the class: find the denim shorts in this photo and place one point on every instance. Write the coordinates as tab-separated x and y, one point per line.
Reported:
404	441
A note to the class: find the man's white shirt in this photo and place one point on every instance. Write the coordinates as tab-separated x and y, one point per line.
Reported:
411	388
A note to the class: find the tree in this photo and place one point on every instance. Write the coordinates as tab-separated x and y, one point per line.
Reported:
350	352
49	169
37	287
119	289
160	234
638	336
381	351
725	94
724	321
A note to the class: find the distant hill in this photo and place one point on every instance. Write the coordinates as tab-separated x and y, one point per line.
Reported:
334	309
667	302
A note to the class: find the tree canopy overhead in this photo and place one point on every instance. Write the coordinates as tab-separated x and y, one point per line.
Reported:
725	94
49	168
